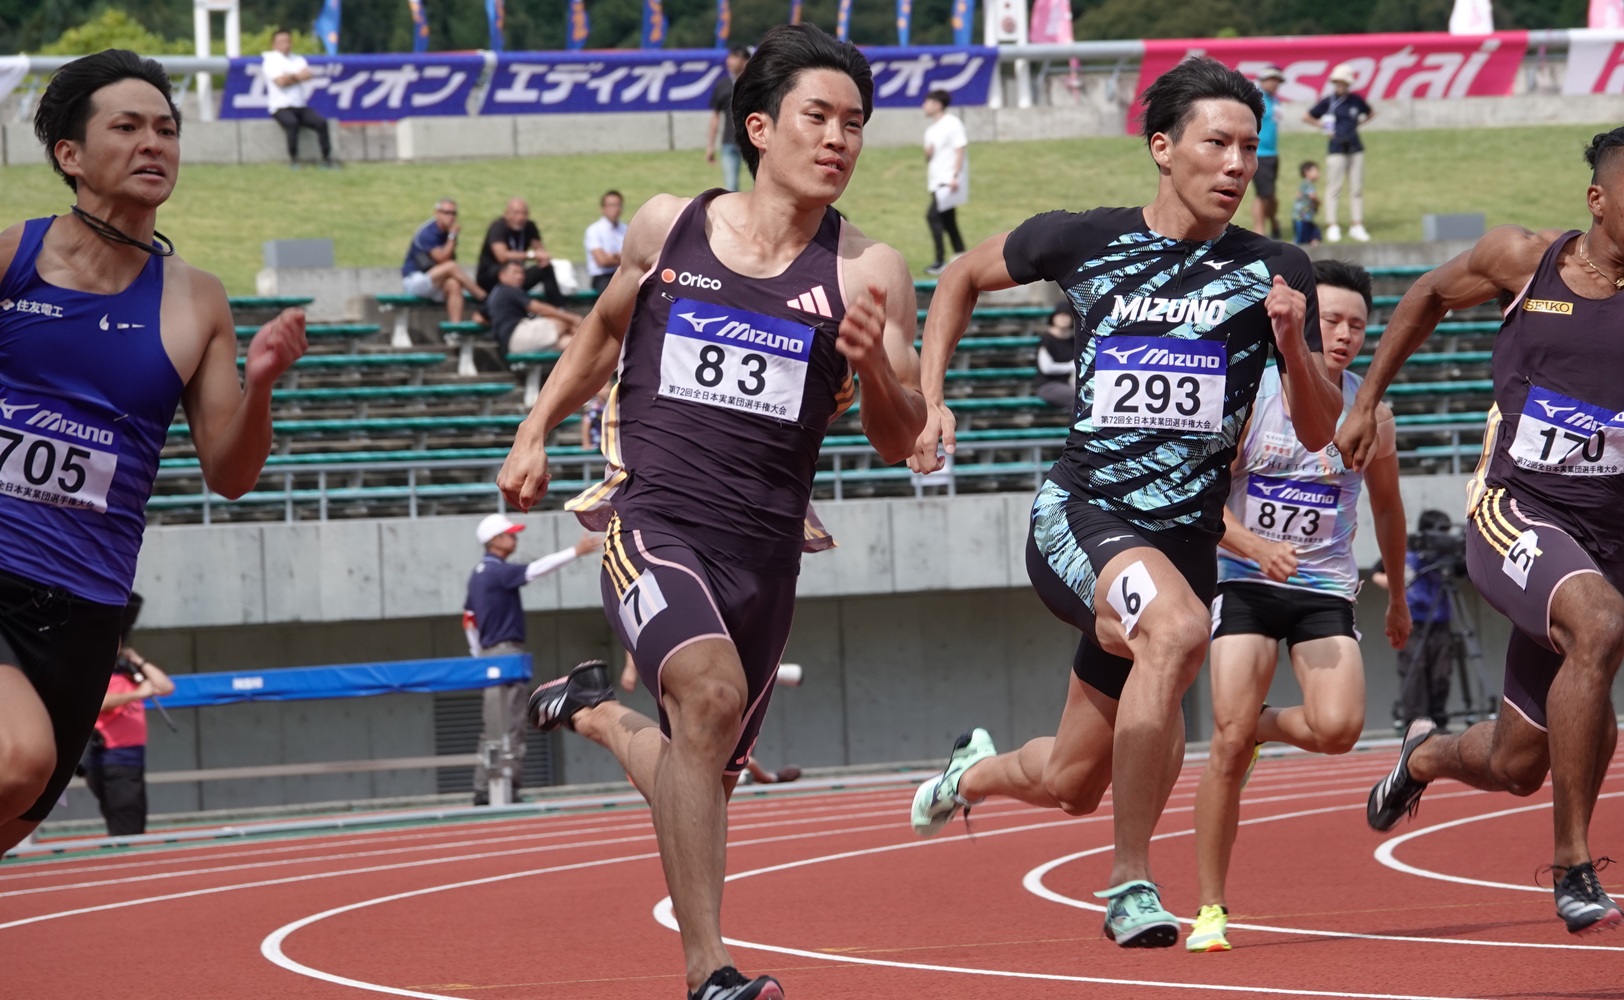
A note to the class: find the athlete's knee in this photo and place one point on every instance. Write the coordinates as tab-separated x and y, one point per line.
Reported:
1517	776
1231	750
25	770
1077	791
1180	641
1336	732
710	702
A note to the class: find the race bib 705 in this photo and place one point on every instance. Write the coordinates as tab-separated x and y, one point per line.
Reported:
53	452
736	359
1160	382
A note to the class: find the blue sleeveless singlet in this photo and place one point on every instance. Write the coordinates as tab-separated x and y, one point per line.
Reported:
87	393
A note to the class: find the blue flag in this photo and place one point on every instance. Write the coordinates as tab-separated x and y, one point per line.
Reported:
843	21
904	20
496	13
653	24
327	26
794	11
724	22
963	12
580	25
420	26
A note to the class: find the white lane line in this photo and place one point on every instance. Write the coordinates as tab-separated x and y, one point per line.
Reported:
1384	853
1033	882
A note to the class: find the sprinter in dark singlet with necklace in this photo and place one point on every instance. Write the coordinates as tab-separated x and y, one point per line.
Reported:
1543	544
102	332
739	322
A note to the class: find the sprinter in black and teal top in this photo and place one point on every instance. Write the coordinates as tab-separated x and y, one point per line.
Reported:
102	333
1543	540
738	322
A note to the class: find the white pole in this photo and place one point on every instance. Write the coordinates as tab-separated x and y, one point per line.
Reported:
205	84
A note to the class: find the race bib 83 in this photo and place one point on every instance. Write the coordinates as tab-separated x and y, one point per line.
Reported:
1285	510
52	452
1160	382
735	359
1567	436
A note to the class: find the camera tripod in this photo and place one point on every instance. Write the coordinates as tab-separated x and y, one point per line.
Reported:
1478	702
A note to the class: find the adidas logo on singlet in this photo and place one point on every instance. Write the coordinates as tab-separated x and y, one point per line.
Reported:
815	301
1155	309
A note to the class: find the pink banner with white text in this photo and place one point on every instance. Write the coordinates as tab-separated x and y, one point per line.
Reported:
1595	62
1384	67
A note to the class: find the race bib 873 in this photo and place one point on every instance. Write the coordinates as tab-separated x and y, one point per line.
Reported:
736	359
52	452
1286	510
1567	436
1160	382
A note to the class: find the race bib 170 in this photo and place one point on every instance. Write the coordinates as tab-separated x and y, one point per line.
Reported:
52	452
1160	382
1286	510
1567	436
733	358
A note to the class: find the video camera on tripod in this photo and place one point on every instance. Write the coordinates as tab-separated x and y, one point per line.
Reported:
1440	560
1439	546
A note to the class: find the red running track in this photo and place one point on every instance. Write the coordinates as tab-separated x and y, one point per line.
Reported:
832	893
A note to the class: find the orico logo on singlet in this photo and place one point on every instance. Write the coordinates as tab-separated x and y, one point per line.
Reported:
688	279
1153	309
31	307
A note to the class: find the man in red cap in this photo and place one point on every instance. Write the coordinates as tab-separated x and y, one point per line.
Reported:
494	616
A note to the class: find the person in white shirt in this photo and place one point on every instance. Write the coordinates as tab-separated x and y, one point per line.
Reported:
603	241
947	174
287	95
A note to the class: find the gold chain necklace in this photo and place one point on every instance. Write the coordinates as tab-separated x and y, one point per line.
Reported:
1580	248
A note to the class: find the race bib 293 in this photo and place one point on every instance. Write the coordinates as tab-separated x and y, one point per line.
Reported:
1160	382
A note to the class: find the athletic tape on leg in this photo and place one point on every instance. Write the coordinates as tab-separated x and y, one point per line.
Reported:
1130	594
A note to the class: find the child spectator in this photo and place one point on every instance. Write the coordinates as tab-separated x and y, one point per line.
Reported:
1307	204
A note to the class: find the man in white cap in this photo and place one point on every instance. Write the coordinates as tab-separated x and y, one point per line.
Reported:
1339	114
497	626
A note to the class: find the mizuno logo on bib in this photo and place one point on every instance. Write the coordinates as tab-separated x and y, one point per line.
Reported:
1567	436
736	359
52	452
1160	382
1286	510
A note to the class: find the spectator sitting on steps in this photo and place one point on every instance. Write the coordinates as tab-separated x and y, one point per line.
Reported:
523	324
431	271
514	237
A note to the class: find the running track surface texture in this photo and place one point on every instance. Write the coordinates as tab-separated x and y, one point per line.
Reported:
830	891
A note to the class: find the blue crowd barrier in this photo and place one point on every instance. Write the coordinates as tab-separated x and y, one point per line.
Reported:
349	680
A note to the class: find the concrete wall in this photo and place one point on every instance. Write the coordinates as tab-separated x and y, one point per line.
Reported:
918	626
429	139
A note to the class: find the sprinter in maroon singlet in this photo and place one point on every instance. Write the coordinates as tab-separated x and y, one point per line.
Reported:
739	322
1543	544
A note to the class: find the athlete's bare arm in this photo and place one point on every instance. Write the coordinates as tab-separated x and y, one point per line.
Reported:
1502	261
230	420
1387	511
877	338
591	356
960	286
1277	560
1314	401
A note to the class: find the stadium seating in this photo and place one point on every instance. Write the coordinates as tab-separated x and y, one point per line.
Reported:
363	428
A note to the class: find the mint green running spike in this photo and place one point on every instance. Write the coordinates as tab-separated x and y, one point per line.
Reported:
938	801
1134	917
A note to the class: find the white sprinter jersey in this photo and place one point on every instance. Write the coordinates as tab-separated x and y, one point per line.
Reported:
1286	493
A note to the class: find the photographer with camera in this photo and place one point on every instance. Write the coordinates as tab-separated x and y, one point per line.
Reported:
116	764
1436	555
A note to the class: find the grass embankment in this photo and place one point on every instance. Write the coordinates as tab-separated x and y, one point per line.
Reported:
220	215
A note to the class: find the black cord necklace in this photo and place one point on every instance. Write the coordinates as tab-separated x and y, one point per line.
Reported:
107	231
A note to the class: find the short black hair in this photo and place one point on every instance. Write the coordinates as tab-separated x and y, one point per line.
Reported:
1604	150
1342	274
785	51
65	107
1433	520
611	193
1170	100
941	97
742	51
1307	165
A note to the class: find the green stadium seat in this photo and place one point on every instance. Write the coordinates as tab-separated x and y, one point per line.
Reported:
268	302
348	332
533	364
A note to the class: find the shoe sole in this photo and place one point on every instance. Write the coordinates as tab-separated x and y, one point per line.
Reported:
1405	753
1149	936
921	810
1612	920
1203	949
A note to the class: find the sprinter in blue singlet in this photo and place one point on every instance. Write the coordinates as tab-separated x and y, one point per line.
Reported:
102	332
